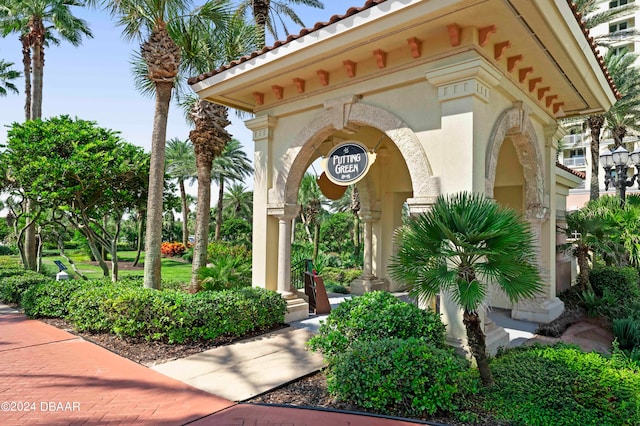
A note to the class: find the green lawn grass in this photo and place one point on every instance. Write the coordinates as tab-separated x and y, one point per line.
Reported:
173	269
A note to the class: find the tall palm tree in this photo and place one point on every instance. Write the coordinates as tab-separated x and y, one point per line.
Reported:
148	21
204	49
232	165
7	75
267	14
625	113
181	165
463	244
39	23
238	202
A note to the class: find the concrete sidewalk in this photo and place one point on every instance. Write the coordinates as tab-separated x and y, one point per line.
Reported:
245	369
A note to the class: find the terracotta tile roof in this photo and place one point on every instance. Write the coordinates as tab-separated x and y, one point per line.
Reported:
372	3
581	175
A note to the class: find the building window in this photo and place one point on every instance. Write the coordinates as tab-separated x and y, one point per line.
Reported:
618	3
619	26
619	50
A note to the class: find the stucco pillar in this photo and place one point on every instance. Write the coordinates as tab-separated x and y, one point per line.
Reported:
265	235
297	307
368	281
284	215
545	307
464	89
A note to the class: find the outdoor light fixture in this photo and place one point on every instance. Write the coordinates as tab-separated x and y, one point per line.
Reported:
621	160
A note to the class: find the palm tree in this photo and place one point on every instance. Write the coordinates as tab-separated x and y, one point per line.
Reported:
625	113
148	21
311	203
595	123
462	245
232	165
267	13
7	75
205	48
37	21
181	165
238	202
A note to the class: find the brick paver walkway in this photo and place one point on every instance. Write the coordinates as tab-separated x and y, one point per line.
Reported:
48	376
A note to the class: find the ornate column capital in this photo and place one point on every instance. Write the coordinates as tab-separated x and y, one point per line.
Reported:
369	215
474	76
283	211
262	127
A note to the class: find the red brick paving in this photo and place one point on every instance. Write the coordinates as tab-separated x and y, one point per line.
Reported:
48	376
51	377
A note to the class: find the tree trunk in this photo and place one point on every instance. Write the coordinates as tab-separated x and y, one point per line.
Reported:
619	132
595	123
153	240
202	222
260	15
582	256
114	250
219	212
140	236
30	246
185	214
68	259
26	65
38	68
478	346
316	241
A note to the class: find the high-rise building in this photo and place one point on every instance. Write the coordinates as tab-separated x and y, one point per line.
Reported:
574	151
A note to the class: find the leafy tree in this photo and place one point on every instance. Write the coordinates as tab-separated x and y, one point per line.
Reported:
181	165
268	14
232	165
80	171
462	245
7	75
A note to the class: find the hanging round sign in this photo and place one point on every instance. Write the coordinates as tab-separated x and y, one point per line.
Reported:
347	163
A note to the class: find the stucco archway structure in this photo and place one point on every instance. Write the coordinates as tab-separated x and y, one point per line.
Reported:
445	91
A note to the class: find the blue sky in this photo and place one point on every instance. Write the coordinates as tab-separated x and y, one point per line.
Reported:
94	81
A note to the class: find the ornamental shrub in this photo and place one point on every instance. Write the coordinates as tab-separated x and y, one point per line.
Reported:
403	377
49	299
171	249
561	385
621	282
12	287
627	332
89	306
374	316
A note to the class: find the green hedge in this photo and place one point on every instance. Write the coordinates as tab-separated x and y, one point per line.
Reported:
616	290
49	299
373	316
403	377
340	275
12	287
561	385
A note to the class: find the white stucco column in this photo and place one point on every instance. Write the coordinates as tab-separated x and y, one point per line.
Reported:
265	235
284	215
368	281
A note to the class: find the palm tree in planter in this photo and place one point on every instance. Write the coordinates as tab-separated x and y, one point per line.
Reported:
463	244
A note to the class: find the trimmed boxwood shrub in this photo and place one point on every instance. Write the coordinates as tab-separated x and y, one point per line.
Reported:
403	377
561	385
622	283
89	306
49	299
12	287
373	316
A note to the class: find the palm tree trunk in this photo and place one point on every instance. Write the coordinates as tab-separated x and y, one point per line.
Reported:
38	73
26	65
185	214
260	15
202	222
316	241
582	256
595	123
219	212
153	240
478	346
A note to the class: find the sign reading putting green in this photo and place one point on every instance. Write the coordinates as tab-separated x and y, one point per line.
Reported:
347	163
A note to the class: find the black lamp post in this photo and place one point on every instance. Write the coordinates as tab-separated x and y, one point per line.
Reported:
621	160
